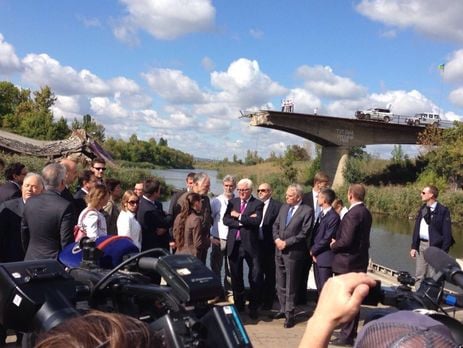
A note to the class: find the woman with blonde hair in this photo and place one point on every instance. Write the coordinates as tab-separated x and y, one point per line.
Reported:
187	228
127	224
90	219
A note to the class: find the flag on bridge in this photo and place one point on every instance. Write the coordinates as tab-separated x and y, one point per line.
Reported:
441	67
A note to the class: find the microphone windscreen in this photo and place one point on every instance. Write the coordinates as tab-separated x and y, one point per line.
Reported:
439	259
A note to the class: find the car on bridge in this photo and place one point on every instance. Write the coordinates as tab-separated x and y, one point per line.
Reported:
423	119
375	114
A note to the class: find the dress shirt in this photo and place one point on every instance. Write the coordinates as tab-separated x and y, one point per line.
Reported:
218	208
424	227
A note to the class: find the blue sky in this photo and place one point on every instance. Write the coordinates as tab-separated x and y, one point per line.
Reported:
183	69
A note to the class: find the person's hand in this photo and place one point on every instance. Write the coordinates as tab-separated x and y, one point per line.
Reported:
280	244
413	253
235	214
215	241
342	296
332	242
172	244
339	302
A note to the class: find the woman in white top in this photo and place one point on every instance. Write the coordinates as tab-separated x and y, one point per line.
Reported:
90	219
127	224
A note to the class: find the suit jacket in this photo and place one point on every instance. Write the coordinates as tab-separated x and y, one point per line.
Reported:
151	217
247	225
296	233
307	199
322	235
440	228
9	190
11	213
47	225
79	201
76	204
267	223
352	241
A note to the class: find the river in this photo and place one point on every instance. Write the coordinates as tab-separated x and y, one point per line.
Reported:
390	237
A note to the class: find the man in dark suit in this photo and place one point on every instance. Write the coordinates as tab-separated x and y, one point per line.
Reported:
174	208
267	245
433	227
71	176
14	175
350	249
243	217
86	181
291	230
320	181
323	232
154	222
11	213
47	224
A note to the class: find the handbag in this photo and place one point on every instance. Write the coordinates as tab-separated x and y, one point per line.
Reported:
79	230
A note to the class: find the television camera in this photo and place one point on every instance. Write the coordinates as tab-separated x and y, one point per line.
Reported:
429	297
36	296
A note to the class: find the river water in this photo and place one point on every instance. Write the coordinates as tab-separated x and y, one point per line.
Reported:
390	237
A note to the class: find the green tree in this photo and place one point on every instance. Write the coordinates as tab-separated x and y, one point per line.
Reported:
95	130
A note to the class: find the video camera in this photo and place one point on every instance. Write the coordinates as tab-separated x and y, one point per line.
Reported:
429	297
38	295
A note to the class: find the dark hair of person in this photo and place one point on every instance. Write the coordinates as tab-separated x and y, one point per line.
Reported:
329	195
85	176
151	186
191	175
13	169
99	329
98	160
186	208
111	184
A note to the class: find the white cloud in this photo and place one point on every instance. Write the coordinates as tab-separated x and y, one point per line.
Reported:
439	19
89	22
165	19
304	101
9	61
321	81
41	69
456	96
174	86
70	107
453	71
245	85
103	106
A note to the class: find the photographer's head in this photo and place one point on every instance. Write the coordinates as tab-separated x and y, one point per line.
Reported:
405	329
99	329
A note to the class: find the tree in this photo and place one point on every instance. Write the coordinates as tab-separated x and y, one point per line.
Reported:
95	130
397	154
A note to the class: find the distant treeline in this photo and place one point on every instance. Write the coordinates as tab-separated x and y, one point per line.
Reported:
30	114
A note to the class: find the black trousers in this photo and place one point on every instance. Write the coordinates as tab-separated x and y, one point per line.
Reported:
267	262
236	260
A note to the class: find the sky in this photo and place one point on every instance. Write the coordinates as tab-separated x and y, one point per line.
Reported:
184	69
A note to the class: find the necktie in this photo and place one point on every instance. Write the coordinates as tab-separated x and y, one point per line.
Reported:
290	215
317	207
242	207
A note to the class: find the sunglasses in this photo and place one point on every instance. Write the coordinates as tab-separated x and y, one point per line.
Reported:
133	202
99	168
262	190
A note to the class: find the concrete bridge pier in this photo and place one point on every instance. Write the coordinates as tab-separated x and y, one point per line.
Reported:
333	161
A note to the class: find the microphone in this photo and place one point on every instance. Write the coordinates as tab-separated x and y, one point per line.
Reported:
445	264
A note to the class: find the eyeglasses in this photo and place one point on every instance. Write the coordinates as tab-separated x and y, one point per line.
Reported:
262	190
243	190
100	168
133	202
